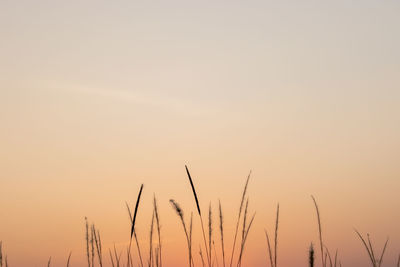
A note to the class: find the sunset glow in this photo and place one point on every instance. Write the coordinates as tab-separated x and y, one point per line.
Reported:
98	97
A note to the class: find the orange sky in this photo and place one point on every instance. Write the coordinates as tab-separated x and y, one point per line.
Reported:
98	97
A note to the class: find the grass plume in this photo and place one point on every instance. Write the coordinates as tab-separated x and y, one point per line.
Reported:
239	216
159	255
87	241
276	235
179	212
311	255
97	241
221	230
92	247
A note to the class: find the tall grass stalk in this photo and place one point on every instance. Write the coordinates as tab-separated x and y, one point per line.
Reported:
97	241
1	254
244	240
117	257
49	262
215	254
244	221
321	244
179	212
199	212
191	236
129	255
151	241
328	257
92	246
398	261
111	258
201	256
239	216
69	258
269	249
157	259
374	261
87	241
133	231
221	230
273	255
136	210
336	261
210	231
159	256
276	235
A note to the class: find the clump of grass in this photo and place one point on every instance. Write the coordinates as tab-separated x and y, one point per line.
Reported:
239	216
188	235
374	261
199	212
273	256
93	241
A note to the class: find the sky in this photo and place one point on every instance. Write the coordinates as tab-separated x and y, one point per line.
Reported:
98	97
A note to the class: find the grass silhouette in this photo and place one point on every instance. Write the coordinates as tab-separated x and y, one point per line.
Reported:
244	222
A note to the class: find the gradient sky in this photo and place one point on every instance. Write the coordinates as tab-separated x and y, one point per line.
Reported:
97	97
